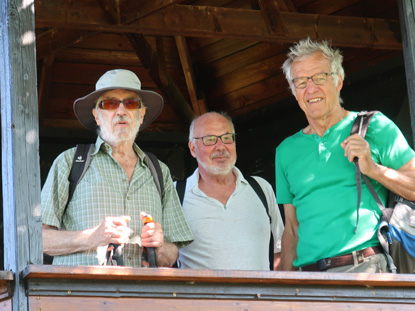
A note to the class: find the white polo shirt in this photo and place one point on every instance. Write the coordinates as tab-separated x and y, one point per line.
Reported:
231	236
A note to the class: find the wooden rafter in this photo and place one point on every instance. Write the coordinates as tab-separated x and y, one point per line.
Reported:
166	84
199	105
271	13
186	20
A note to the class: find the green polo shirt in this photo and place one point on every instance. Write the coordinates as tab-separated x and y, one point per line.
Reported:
313	174
105	190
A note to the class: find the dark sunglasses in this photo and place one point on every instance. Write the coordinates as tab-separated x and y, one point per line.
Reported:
112	104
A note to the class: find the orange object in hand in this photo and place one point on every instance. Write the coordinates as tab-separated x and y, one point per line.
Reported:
147	218
150	261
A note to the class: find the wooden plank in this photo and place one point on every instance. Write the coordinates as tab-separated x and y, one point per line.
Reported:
6	305
325	7
244	77
241	59
65	72
219	49
407	17
20	144
54	40
120	58
127	11
223	276
252	95
184	20
116	304
213	289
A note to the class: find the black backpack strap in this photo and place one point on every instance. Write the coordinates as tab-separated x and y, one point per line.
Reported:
155	169
181	188
80	164
360	126
258	190
361	123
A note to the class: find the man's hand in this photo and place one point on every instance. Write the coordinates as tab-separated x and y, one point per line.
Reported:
152	236
356	147
60	242
152	233
112	230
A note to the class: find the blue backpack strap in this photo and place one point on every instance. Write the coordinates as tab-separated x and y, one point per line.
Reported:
257	188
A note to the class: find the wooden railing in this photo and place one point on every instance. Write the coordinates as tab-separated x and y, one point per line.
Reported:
6	290
121	288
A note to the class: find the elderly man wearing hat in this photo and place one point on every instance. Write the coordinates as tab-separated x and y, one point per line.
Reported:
117	187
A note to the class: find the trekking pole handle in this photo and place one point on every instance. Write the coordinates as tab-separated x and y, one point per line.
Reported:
151	252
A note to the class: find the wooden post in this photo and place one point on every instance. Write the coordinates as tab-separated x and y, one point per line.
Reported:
407	21
20	143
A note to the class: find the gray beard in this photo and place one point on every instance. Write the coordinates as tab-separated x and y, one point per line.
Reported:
122	136
218	170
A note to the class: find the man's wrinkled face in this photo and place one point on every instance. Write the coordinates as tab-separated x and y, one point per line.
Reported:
317	101
120	124
217	159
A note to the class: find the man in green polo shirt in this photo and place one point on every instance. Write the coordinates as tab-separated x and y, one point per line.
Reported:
315	174
118	186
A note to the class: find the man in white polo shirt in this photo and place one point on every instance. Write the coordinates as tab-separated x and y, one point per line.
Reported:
230	224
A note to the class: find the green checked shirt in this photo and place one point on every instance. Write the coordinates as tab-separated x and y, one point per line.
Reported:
106	191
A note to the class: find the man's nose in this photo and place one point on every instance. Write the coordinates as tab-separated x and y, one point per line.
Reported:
311	86
219	144
121	110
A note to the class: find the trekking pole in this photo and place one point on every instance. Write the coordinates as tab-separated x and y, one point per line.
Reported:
151	252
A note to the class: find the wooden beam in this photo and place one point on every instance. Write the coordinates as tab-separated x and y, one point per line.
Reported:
22	215
218	22
407	18
167	85
199	106
161	63
272	16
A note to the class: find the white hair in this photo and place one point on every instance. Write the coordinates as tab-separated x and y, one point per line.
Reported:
307	47
223	114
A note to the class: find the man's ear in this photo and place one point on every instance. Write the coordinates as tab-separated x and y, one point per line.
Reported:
94	112
142	113
192	148
340	84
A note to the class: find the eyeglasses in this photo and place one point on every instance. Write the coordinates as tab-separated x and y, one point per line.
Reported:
112	104
211	140
318	79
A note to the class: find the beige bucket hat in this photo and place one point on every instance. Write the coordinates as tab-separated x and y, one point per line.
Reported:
117	79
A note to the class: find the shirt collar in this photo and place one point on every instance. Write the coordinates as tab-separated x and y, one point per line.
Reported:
100	143
193	180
